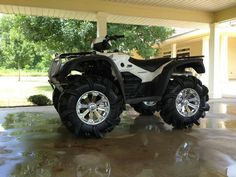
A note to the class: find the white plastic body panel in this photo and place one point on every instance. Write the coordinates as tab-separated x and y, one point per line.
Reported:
122	62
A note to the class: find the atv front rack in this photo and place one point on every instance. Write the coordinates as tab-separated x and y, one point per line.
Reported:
73	55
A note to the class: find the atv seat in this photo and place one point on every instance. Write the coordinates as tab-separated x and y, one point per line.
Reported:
150	65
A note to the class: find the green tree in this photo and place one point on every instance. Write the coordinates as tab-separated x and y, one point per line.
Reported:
59	35
73	35
140	38
30	42
16	51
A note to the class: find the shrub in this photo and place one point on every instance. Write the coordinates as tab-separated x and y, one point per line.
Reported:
40	100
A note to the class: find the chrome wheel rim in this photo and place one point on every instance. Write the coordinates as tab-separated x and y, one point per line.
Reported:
149	103
93	107
187	102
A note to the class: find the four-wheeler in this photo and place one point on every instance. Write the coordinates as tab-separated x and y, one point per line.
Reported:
91	89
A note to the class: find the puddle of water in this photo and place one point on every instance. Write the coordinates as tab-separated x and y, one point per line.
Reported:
90	165
109	161
65	155
3	150
2	161
23	123
28	120
231	171
140	146
1	129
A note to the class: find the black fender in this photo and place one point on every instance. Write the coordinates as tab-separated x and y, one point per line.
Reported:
161	81
74	63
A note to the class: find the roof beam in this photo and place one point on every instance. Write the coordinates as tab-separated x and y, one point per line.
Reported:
115	8
225	15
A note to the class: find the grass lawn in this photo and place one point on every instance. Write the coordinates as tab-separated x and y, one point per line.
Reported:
15	72
15	93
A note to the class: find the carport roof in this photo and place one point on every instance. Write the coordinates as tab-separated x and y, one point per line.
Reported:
203	5
173	13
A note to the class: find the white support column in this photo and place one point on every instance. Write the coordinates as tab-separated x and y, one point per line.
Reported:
173	51
205	53
224	61
215	86
101	24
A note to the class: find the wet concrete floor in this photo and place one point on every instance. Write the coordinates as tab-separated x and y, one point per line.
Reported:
33	143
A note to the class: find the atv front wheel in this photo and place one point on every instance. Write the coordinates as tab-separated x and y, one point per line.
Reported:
91	107
55	98
145	107
184	102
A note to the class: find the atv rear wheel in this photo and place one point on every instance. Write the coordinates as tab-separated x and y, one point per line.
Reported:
145	107
91	107
184	102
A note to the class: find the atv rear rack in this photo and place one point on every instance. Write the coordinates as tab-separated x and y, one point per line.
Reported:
190	57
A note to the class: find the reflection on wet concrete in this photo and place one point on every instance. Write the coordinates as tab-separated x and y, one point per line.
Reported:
36	144
1	128
10	153
223	108
231	171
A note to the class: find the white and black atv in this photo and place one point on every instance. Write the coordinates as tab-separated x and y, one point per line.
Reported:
92	88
